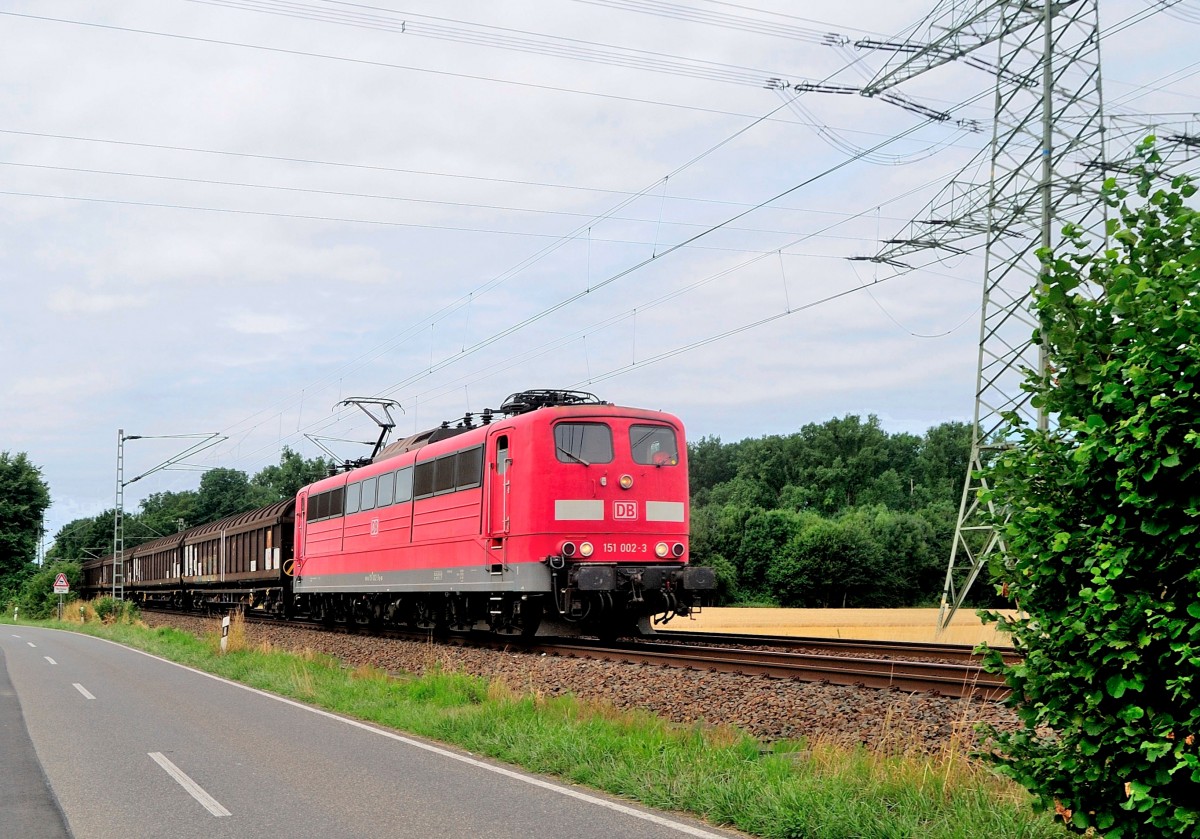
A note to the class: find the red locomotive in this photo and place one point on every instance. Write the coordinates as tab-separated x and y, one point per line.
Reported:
558	512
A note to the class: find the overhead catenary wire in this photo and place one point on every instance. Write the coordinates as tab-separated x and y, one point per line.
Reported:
544	313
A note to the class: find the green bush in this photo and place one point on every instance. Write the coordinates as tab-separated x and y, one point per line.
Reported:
1103	532
36	597
111	610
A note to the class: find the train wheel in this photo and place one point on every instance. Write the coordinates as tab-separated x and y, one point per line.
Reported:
530	617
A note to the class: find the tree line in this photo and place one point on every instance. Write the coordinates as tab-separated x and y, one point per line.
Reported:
222	493
24	498
839	514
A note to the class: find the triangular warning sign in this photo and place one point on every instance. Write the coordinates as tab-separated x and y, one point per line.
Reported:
60	580
61	586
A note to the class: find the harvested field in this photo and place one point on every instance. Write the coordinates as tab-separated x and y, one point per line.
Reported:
857	624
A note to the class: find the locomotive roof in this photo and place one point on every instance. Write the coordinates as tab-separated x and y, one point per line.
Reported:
522	402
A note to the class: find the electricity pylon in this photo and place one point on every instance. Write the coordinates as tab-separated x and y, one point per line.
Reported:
1046	163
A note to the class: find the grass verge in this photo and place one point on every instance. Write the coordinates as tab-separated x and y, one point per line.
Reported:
785	790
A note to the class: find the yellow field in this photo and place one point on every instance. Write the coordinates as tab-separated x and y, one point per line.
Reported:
860	624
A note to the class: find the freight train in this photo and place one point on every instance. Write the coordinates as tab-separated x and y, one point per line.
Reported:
555	514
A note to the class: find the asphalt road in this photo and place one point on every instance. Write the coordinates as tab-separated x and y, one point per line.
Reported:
134	746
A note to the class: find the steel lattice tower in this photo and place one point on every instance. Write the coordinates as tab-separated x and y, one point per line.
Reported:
1046	164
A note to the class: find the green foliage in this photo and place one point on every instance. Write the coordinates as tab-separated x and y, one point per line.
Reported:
831	563
227	492
163	513
752	501
1104	528
24	497
292	473
84	538
764	536
36	597
113	610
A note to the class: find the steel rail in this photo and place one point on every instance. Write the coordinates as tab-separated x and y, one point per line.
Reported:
960	653
915	676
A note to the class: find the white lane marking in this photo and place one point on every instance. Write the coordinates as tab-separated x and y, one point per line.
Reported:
499	770
16	636
194	789
30	643
49	659
83	690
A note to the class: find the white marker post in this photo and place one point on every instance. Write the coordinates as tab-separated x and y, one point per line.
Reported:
224	633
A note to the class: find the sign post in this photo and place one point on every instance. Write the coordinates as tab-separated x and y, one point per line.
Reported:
61	587
224	633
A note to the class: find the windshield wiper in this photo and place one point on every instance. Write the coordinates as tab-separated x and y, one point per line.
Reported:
573	456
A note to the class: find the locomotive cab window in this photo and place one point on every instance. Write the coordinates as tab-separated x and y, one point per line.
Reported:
653	445
583	442
502	454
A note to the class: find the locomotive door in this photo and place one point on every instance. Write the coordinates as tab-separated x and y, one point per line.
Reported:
499	493
301	526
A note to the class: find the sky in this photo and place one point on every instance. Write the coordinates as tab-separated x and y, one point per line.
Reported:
228	216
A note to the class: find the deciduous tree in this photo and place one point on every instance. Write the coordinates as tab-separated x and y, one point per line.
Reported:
24	497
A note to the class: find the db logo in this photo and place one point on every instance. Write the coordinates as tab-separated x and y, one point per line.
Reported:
625	510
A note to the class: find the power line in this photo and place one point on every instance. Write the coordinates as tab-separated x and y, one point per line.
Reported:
428	26
362	62
372	196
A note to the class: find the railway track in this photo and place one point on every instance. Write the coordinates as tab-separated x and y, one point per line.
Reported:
950	653
942	669
912	675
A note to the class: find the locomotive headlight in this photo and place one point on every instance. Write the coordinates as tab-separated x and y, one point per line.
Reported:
661	550
585	549
626	481
677	550
568	549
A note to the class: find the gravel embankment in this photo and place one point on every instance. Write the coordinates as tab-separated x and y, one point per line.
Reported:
770	709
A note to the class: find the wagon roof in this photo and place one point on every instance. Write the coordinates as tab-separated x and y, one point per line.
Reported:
243	521
159	544
92	562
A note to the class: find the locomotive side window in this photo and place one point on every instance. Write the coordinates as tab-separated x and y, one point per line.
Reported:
502	454
353	494
653	445
385	489
336	497
404	485
423	479
321	506
368	494
583	442
469	471
443	475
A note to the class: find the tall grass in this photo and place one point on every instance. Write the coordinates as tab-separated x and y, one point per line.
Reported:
786	790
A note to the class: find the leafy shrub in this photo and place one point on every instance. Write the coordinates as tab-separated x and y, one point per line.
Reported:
1104	530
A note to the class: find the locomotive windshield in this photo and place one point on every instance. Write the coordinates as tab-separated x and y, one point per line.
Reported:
583	442
653	445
